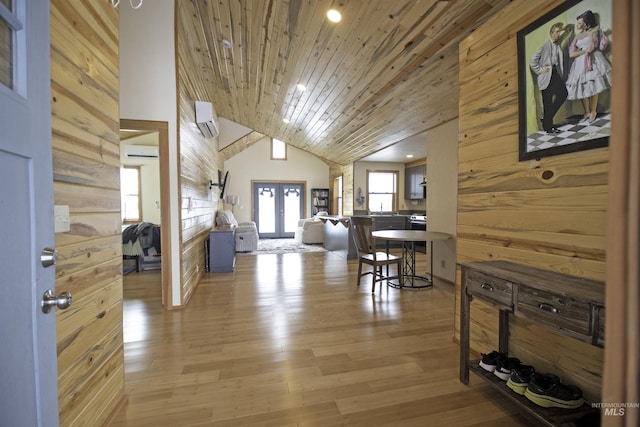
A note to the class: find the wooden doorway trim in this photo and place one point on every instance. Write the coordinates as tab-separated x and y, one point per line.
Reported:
165	213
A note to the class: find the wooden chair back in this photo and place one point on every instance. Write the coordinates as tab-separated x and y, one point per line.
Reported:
361	229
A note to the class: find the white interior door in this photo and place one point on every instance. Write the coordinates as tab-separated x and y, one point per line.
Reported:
28	366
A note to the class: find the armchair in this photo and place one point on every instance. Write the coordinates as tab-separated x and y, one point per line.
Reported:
310	230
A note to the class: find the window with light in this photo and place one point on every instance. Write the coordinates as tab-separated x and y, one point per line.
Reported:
278	150
130	194
11	42
337	190
382	187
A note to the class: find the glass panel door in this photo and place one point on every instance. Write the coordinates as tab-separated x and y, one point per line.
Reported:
279	207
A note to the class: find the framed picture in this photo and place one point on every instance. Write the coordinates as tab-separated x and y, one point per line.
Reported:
564	80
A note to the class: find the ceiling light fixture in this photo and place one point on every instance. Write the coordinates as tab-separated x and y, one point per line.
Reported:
285	120
333	15
226	44
301	87
409	155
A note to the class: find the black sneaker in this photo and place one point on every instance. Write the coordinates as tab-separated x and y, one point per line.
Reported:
546	390
505	366
490	361
520	378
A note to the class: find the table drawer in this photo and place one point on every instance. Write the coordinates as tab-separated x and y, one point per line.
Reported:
487	287
555	310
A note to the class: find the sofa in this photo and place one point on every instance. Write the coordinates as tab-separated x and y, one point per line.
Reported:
310	230
246	233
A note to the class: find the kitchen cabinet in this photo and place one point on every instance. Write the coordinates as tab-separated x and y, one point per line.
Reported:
413	177
389	222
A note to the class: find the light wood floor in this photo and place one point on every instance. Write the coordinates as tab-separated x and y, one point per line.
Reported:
289	340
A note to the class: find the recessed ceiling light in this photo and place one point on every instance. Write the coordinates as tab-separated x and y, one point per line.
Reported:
409	155
285	120
333	15
301	87
226	43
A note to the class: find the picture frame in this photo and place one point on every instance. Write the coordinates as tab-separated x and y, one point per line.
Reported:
574	113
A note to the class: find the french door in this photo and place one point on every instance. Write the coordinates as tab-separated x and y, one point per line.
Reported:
279	207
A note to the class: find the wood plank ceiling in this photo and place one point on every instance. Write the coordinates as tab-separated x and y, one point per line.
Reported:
386	72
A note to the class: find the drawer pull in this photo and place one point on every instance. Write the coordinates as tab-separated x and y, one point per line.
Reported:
548	307
486	287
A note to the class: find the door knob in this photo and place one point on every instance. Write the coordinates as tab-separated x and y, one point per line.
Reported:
49	300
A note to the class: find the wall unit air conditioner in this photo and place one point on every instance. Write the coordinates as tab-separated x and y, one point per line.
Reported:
206	119
141	151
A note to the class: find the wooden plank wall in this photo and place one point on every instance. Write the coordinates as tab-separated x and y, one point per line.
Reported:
199	157
346	172
86	167
512	210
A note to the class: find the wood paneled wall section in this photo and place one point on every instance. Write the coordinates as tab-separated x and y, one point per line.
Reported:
335	171
199	157
548	213
86	167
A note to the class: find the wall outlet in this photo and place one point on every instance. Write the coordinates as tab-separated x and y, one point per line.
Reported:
197	269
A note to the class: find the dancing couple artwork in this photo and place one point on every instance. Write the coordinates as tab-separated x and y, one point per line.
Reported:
564	65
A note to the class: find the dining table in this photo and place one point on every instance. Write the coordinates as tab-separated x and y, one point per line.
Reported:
408	277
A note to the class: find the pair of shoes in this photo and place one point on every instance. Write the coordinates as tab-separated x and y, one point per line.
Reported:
490	361
546	390
520	378
553	130
506	367
592	117
499	363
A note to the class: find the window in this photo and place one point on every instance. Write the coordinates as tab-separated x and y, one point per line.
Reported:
130	194
278	150
11	40
337	190
382	187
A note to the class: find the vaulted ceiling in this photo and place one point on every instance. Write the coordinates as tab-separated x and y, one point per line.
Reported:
388	71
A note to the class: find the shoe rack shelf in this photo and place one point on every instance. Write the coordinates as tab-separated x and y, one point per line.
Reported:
568	304
546	416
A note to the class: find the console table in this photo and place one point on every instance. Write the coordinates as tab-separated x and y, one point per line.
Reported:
568	304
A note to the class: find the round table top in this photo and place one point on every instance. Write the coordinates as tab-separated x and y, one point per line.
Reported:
411	235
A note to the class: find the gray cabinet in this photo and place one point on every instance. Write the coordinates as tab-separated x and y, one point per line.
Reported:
413	177
222	251
389	222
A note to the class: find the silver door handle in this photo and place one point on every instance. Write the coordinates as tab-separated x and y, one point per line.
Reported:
49	300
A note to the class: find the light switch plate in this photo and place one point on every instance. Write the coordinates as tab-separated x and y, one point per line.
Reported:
62	219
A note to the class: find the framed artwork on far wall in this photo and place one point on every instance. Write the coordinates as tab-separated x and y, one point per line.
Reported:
564	80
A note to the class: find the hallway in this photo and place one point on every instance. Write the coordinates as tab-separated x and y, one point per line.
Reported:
289	339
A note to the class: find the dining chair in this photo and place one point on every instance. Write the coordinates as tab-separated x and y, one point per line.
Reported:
361	229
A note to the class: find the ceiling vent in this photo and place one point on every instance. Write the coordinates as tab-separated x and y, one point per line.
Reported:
206	119
141	151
